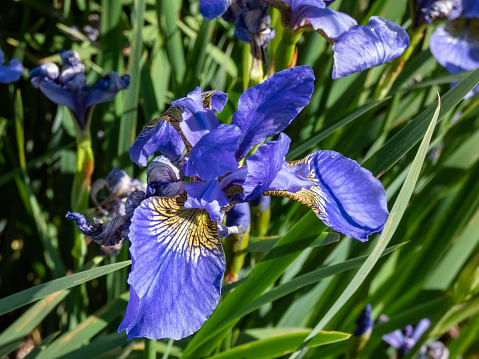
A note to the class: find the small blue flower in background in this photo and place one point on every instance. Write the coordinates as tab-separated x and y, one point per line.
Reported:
68	87
252	24
434	10
404	340
364	323
12	71
175	226
455	45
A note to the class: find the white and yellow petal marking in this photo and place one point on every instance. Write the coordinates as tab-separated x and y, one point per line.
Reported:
178	266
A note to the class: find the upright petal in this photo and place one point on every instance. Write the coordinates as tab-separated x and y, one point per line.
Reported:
264	170
178	265
197	120
368	46
106	89
266	109
158	135
163	169
346	197
213	155
206	195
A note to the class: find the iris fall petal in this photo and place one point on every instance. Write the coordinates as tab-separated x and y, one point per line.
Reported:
364	47
178	266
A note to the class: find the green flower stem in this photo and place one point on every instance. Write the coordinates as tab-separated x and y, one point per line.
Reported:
396	66
235	251
150	349
247	64
286	49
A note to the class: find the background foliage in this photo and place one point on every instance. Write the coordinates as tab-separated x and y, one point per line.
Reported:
310	279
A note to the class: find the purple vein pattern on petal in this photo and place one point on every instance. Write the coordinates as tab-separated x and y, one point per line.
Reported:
158	135
354	200
178	266
368	46
455	48
206	195
197	120
211	9
213	155
266	109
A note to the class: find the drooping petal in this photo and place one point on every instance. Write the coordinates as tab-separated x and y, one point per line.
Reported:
327	22
158	135
214	154
346	197
268	170
197	120
55	93
456	48
266	109
214	100
12	72
364	47
211	9
107	88
133	201
106	234
206	195
395	339
178	265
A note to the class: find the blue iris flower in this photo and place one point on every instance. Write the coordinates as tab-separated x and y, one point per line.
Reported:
175	226
11	72
356	47
68	87
364	323
455	45
405	340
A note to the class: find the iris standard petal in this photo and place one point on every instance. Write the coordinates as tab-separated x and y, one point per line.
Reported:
158	135
214	154
268	170
263	166
206	195
346	197
266	109
211	9
420	328
178	265
12	72
197	120
48	70
106	234
364	47
107	88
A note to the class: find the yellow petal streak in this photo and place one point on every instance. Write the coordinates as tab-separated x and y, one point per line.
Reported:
187	231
